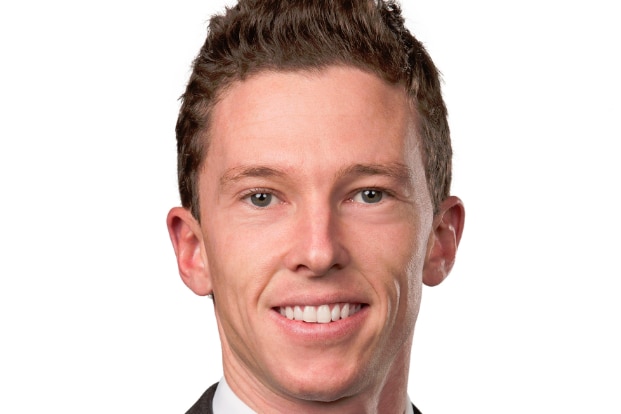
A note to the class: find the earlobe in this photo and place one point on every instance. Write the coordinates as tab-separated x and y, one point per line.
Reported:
448	226
185	234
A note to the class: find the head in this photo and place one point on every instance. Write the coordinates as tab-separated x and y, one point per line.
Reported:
314	169
259	35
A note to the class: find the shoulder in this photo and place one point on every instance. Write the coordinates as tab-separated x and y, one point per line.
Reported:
203	405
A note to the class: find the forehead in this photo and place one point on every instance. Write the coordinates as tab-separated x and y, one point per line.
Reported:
315	113
333	85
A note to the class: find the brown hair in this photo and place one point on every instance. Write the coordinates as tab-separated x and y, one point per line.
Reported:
288	35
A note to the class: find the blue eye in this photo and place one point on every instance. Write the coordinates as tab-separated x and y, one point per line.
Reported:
261	199
368	196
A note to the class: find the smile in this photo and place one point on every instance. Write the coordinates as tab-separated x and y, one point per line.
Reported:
320	314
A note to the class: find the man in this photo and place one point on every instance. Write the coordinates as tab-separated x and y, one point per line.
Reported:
314	167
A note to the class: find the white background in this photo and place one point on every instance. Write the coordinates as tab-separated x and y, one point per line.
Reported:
93	316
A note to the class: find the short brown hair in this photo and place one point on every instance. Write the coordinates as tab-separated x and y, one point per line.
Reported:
290	35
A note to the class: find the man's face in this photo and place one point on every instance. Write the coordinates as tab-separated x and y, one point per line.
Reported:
314	205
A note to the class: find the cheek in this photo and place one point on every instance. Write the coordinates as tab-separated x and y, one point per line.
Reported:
240	261
402	251
414	287
236	270
402	258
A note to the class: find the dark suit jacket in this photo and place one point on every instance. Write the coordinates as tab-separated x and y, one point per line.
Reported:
203	405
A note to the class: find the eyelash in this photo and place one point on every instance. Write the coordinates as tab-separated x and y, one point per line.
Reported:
261	190
258	190
385	192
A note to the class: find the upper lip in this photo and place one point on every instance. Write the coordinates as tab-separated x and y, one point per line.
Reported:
318	300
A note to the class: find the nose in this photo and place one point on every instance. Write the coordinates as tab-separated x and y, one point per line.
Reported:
317	246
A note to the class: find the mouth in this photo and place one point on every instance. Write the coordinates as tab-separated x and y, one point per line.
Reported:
320	314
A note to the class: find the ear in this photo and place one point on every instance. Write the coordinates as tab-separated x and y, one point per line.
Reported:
185	234
448	225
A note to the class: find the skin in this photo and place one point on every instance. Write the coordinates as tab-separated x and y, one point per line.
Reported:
310	144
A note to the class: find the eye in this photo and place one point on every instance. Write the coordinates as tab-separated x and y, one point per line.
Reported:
261	199
368	196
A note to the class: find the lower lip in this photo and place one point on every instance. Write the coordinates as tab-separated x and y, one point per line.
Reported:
306	332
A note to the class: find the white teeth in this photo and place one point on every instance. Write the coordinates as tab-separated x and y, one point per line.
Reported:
298	313
320	314
310	314
323	314
336	313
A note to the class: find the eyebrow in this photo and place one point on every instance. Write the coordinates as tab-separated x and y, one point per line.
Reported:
400	172
235	174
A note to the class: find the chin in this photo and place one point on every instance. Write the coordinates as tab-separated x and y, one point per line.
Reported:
323	385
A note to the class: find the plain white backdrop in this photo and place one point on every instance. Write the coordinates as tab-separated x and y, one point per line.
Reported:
93	315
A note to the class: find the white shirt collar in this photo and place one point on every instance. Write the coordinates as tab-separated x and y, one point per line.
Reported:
409	409
226	402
